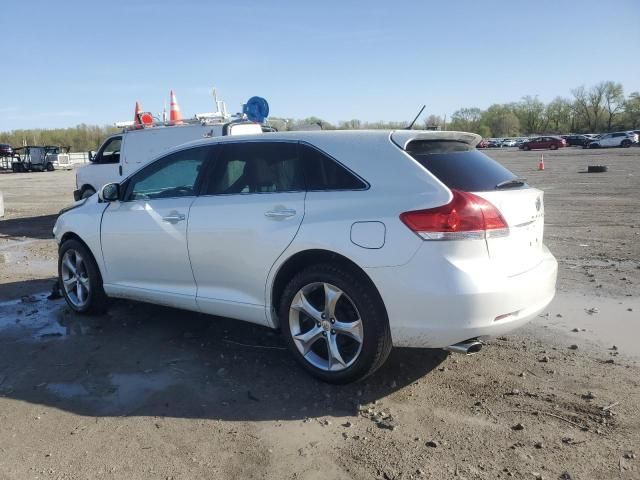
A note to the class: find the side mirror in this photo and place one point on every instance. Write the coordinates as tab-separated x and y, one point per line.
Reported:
110	192
91	155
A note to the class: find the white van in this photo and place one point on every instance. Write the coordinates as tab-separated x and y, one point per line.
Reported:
126	152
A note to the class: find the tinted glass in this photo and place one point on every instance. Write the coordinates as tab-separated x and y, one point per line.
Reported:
256	167
172	176
324	173
459	165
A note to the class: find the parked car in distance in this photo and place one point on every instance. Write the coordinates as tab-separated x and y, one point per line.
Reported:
544	142
482	144
6	150
614	139
494	143
349	242
508	142
577	140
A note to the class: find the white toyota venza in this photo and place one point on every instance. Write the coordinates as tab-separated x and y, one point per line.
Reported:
349	242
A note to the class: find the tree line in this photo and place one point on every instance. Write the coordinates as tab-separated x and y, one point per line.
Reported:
80	138
599	108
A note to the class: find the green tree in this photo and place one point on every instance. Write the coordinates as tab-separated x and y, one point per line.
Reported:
531	114
613	100
632	111
502	121
466	119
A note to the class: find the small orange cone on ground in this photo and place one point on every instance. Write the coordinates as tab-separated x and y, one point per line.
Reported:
175	116
136	116
541	162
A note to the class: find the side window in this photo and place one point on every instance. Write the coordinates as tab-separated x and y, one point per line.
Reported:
110	153
256	167
324	173
172	176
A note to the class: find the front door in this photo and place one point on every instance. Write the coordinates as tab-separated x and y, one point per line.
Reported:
144	236
106	163
250	211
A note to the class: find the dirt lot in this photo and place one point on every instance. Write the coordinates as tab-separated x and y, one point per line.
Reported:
154	393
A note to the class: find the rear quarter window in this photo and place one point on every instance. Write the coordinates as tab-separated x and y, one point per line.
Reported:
459	165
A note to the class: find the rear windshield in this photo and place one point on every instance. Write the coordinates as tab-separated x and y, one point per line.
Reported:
459	165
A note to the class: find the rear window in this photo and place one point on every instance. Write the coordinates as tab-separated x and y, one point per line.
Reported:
459	165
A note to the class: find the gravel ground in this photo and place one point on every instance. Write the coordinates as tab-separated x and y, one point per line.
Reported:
154	393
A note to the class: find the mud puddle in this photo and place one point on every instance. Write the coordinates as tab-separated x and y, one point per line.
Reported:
600	321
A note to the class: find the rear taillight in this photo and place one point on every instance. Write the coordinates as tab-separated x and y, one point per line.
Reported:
467	216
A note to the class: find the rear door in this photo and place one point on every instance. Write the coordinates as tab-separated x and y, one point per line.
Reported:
462	167
250	210
523	209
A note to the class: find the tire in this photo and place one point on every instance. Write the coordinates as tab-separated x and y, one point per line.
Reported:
526	147
553	147
49	167
86	193
85	295
625	143
356	359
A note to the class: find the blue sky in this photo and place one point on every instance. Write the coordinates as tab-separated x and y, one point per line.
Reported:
68	62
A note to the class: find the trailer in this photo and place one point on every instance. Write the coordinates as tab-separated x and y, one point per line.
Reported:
36	158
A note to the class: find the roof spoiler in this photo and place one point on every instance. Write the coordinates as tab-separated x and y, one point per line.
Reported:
402	138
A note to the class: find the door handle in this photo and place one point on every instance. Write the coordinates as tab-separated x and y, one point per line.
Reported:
174	217
284	213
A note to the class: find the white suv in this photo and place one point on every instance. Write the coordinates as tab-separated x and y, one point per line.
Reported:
615	139
348	241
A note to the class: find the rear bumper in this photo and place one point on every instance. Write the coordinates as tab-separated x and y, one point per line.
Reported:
438	302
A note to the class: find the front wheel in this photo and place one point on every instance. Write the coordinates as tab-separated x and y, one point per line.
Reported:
49	167
79	278
526	147
553	147
625	143
335	323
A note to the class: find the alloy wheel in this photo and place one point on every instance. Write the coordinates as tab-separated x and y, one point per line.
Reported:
75	278
326	327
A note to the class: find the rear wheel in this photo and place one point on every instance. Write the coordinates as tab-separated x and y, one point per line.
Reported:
335	324
49	167
80	279
526	147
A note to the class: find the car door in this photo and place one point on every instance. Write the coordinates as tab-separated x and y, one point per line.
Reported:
250	210
104	167
144	236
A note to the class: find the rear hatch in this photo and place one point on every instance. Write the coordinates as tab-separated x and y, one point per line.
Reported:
458	165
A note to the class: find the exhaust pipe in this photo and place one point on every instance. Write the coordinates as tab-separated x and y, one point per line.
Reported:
467	347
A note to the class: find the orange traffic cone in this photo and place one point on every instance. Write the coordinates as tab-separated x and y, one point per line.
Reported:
175	116
541	162
136	116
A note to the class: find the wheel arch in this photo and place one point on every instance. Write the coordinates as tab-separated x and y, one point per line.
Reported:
306	258
74	236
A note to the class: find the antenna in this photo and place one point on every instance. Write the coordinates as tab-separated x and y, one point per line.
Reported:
410	126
